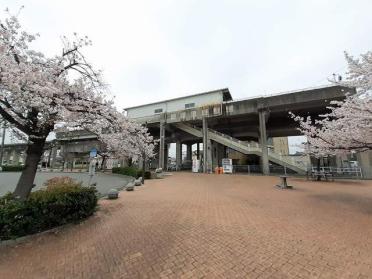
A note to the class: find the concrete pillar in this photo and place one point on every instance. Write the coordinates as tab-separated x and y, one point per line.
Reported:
198	151
54	157
209	156
263	142
189	152
15	157
178	155
205	145
161	144
214	154
365	163
166	155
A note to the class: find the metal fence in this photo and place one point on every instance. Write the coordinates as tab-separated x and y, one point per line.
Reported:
354	172
246	169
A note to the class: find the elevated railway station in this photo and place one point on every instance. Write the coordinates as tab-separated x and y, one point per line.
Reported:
218	123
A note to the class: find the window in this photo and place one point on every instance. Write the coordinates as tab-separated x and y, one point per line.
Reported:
158	110
205	112
189	105
216	110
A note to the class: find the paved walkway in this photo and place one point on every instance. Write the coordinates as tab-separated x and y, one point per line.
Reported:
211	226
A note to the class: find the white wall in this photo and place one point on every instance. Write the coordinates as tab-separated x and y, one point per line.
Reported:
175	105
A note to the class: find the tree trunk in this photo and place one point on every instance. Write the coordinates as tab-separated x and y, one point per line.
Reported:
103	163
26	181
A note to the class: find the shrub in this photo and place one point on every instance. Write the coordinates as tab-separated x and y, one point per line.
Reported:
146	174
132	171
61	181
45	209
12	168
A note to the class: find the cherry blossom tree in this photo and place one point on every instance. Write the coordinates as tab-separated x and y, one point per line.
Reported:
128	139
347	127
39	93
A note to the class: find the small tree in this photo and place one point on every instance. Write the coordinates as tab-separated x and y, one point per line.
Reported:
348	125
38	92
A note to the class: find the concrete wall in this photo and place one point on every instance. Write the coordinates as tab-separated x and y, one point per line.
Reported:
365	162
175	105
280	145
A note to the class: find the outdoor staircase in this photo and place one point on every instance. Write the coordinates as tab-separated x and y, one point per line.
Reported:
243	147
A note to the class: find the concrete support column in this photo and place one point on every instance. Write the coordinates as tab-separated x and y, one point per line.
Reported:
365	162
198	151
54	156
263	142
166	155
189	152
207	151
161	145
178	155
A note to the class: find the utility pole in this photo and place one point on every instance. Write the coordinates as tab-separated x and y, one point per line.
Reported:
2	144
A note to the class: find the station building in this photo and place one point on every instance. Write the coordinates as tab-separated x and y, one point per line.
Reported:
246	130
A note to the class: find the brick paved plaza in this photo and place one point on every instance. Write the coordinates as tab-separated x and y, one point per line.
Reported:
212	226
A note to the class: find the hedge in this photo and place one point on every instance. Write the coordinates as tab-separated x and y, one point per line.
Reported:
131	171
45	209
12	168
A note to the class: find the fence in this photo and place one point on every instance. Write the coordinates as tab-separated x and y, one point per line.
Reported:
276	169
354	172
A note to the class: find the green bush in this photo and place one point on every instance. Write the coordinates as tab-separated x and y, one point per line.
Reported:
12	168
147	174
131	171
45	209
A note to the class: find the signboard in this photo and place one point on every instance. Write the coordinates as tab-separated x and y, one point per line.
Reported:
93	153
227	165
195	165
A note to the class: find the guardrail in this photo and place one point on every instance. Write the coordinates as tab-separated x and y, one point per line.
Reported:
340	172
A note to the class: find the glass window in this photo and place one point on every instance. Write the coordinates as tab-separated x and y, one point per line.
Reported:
189	105
158	110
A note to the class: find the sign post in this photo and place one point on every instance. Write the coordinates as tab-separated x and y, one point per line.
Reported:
92	164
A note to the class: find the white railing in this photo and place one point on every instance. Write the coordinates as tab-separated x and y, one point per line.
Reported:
354	171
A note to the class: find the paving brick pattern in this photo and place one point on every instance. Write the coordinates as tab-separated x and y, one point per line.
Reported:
210	226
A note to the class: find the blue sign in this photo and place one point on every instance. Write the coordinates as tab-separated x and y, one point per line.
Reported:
93	152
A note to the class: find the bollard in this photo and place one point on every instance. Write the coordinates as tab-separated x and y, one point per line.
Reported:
113	194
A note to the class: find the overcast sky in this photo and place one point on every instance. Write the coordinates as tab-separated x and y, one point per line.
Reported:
154	50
